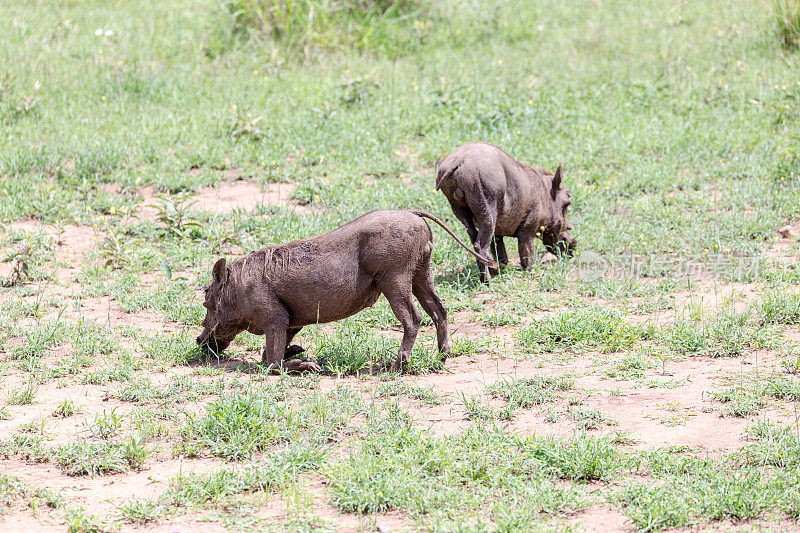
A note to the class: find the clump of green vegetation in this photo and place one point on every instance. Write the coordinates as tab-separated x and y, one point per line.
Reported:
475	408
632	365
236	426
355	347
588	419
106	425
141	512
398	387
87	458
582	458
653	508
79	521
23	395
728	334
532	391
584	328
747	398
351	349
16	100
12	490
780	308
787	18
304	24
277	468
741	402
403	468
29	447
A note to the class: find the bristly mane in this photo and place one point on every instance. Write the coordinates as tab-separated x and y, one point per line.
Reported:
273	260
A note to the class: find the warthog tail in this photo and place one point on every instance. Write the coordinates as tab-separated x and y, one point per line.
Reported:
485	260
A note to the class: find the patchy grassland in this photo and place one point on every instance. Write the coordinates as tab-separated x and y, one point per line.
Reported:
139	141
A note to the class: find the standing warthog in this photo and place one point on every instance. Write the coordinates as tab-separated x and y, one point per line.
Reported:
278	290
503	197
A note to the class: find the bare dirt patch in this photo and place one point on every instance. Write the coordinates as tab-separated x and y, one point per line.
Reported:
70	244
226	197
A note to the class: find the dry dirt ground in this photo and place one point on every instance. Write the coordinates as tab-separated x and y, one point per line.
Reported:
666	405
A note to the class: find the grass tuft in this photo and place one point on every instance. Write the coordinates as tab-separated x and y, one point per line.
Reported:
787	18
583	328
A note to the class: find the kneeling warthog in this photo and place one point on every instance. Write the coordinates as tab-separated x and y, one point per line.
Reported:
278	290
503	197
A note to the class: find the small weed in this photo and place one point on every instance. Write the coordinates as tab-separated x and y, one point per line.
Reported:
653	508
79	521
587	419
174	214
728	334
426	395
23	396
780	308
279	467
113	247
243	124
106	425
351	349
582	458
141	512
12	489
67	408
497	320
476	409
631	366
740	402
35	426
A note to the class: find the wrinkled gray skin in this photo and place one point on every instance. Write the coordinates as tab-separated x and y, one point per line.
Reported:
278	290
496	196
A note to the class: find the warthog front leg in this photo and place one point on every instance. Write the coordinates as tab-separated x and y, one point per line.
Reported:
275	347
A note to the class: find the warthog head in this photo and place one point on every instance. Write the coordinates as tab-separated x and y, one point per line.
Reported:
221	323
555	231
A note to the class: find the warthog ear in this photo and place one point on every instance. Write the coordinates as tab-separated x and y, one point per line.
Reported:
556	182
218	272
436	172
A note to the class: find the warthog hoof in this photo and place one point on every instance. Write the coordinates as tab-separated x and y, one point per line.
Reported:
296	365
293	350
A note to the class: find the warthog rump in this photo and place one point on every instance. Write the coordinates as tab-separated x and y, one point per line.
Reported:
496	196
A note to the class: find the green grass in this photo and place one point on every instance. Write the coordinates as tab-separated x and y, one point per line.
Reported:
727	334
589	328
780	308
787	18
413	471
235	426
531	391
12	490
279	467
90	459
381	25
677	126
